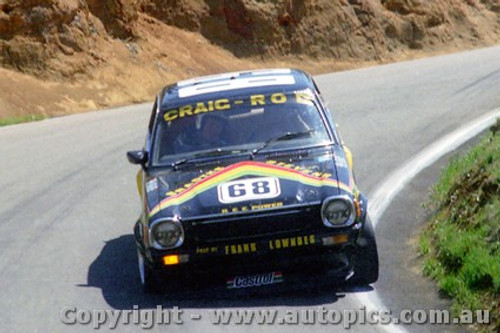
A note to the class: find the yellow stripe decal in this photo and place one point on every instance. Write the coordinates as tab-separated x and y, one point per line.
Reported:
247	168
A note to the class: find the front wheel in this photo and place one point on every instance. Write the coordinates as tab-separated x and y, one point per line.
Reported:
366	267
146	274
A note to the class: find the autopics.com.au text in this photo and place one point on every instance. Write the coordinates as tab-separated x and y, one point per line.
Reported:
148	318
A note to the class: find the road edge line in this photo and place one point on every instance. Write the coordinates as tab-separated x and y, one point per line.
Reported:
390	187
386	190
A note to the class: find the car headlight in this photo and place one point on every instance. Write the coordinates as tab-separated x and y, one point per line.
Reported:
338	211
166	234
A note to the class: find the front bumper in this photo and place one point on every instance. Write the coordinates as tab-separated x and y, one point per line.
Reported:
300	257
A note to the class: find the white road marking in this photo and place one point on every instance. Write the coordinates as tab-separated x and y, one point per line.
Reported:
391	186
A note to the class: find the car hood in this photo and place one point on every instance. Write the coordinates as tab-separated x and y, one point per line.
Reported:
272	181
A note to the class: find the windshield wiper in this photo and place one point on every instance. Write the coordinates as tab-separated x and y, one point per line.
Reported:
210	153
223	152
283	137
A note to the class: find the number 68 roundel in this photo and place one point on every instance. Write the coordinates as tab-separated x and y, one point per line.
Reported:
249	189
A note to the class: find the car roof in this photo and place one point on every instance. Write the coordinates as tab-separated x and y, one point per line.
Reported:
236	84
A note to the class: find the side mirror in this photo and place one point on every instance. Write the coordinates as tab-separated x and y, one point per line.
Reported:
137	157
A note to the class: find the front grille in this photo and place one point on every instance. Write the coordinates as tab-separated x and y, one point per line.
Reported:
246	227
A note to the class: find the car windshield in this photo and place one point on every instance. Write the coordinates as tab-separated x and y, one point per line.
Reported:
255	123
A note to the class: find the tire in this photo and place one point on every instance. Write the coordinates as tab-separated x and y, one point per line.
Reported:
366	266
146	275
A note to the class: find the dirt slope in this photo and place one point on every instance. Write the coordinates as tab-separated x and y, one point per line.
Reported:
62	56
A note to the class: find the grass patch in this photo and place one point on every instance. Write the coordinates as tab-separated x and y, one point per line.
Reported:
461	243
21	119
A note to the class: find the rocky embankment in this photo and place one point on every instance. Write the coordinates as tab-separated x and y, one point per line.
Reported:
81	54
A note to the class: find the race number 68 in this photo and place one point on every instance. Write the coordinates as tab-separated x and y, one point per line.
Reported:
249	189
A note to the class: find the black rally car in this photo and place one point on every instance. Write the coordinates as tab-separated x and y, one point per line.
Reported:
244	178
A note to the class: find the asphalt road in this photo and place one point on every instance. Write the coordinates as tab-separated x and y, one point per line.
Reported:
68	199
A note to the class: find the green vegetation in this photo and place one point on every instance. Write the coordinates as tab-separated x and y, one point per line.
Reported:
20	119
461	244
